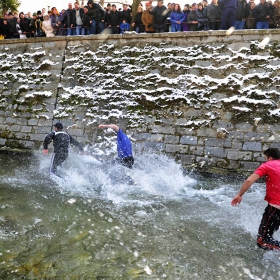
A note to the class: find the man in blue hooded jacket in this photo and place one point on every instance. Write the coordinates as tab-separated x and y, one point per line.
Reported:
124	146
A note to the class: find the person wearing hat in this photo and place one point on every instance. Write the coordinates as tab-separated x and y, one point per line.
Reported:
124	146
61	142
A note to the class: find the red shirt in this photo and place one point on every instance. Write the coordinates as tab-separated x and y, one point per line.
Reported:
271	169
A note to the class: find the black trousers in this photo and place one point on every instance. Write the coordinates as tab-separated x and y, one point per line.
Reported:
127	161
269	224
57	160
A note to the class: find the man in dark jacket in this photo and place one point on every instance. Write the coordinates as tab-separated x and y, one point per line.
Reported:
114	19
86	21
242	12
262	15
160	17
126	14
97	17
61	142
228	8
24	25
13	22
69	18
192	18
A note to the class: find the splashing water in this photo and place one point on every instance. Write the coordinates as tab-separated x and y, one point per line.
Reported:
109	222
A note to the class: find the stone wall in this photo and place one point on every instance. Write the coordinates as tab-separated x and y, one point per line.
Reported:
207	99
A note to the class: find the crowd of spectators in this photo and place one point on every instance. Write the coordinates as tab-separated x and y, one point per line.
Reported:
93	19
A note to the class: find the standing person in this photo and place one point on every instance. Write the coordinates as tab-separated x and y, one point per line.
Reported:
213	13
69	18
192	18
61	142
86	21
160	16
242	13
186	12
138	24
177	17
126	14
148	19
262	15
201	15
250	20
114	19
228	8
57	23
13	22
78	23
24	25
124	146
271	218
47	26
97	17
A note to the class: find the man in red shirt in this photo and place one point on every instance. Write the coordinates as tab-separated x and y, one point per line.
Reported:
271	218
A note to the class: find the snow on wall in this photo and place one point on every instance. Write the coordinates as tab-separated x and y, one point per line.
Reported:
171	96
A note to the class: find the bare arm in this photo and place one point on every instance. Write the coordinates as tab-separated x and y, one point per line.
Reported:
245	187
113	126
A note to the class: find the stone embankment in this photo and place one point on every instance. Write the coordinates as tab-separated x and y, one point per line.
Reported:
207	99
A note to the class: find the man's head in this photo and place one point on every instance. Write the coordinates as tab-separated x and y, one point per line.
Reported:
271	153
76	5
114	7
58	126
160	3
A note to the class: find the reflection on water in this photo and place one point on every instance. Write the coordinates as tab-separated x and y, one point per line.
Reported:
165	225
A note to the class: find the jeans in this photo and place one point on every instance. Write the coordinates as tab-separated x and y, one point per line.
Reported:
262	25
239	24
80	30
70	31
93	26
100	27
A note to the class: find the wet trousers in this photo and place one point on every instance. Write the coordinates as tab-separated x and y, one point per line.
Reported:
127	161
269	224
57	160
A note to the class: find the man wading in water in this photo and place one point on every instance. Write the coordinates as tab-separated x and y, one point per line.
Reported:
61	143
271	218
124	146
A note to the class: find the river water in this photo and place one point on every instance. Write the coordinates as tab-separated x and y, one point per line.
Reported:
166	224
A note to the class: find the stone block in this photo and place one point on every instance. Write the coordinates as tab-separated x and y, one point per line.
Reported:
196	150
185	159
215	151
33	122
143	136
238	155
2	141
189	140
169	148
252	146
207	132
156	137
15	128
249	165
171	139
157	146
26	129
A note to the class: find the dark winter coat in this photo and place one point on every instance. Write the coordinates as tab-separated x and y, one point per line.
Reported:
114	18
160	18
260	12
243	10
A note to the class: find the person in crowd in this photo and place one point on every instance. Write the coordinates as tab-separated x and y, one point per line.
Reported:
201	16
114	19
250	20
186	12
205	3
192	18
242	12
24	25
274	21
68	19
271	218
170	8
47	26
13	22
61	142
5	29
124	26
40	15
262	15
107	12
78	23
126	14
160	16
57	24
19	31
97	17
148	19
214	16
124	146
228	13
177	17
138	24
86	21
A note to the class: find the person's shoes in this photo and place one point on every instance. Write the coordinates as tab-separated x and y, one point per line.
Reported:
268	245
